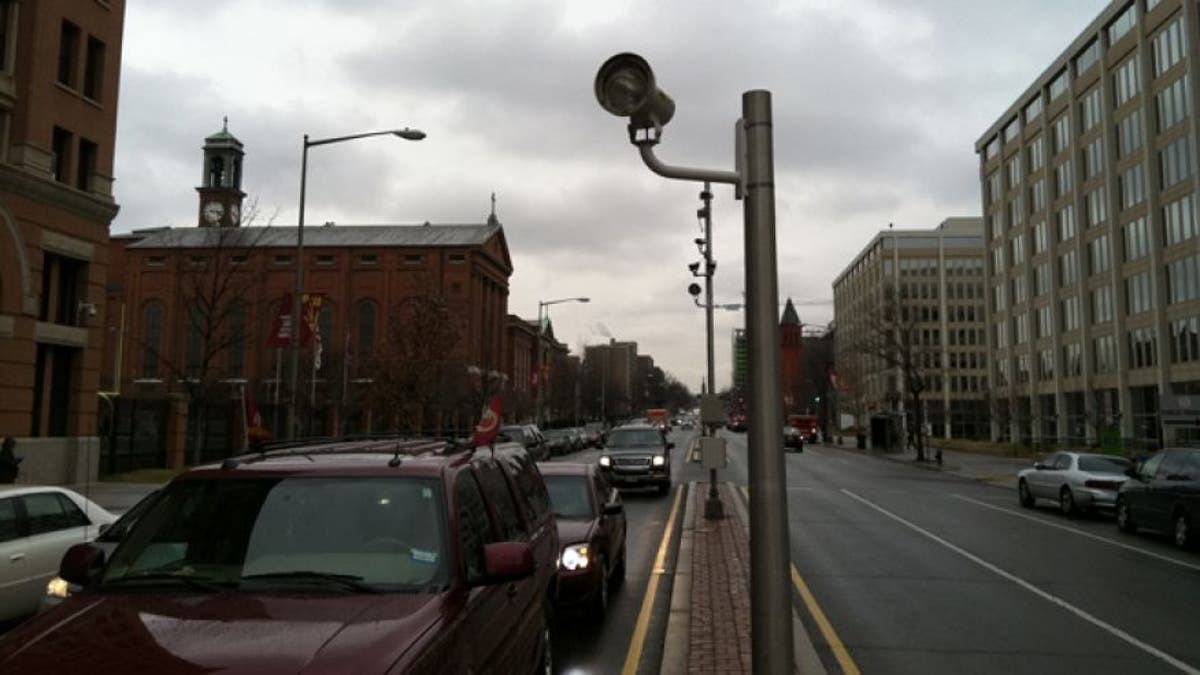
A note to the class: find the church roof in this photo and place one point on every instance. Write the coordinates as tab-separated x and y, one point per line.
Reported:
790	317
318	236
223	136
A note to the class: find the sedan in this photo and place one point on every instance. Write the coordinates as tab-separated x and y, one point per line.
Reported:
793	439
591	531
1164	495
37	526
1075	481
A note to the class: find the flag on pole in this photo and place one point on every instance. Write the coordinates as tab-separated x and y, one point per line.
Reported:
489	424
281	328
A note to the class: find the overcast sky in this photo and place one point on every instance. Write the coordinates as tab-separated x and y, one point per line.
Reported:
877	104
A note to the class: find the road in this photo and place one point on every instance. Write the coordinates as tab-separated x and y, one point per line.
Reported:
922	572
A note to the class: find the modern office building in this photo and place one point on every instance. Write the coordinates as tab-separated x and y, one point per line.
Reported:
60	64
915	296
1089	195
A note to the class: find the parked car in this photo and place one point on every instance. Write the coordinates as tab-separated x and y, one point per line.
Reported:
559	442
596	433
529	436
793	438
1075	481
637	455
580	437
591	531
1163	494
367	556
37	526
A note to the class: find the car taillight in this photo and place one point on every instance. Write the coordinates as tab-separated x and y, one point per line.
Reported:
1102	484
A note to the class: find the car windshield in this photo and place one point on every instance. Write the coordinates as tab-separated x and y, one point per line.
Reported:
377	533
633	438
569	497
1104	464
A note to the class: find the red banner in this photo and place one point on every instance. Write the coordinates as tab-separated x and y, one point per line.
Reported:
489	424
281	328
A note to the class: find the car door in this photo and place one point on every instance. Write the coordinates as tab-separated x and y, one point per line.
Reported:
1138	493
55	524
1041	479
14	565
1162	490
612	527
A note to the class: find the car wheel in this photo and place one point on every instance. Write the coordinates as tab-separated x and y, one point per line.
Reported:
1025	495
1182	533
547	665
1066	501
600	601
1124	518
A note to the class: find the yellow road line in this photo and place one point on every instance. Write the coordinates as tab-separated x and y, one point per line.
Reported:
643	621
810	602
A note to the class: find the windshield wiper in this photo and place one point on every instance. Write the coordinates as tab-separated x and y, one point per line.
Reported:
206	584
348	581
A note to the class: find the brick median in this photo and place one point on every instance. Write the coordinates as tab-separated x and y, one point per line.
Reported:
719	640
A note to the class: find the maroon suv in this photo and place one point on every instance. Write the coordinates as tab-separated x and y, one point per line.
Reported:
365	557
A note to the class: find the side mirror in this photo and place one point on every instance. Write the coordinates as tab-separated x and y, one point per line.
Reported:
81	563
1039	466
613	509
507	561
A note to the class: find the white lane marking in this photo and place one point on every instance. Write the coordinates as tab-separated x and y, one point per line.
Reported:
1106	540
1117	632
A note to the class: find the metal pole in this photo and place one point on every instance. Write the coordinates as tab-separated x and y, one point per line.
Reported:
713	508
295	332
537	364
770	595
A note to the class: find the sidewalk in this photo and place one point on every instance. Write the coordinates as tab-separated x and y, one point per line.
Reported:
992	469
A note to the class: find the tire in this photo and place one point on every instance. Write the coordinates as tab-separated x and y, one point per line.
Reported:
1181	533
1124	517
599	608
1025	495
1066	502
546	665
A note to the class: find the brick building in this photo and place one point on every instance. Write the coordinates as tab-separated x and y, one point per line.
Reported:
59	74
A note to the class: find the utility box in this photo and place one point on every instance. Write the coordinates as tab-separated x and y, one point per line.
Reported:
712	411
712	452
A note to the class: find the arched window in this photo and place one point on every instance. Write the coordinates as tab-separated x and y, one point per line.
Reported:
368	313
216	172
152	323
237	339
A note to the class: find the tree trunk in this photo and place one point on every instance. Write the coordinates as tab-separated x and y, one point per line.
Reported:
918	432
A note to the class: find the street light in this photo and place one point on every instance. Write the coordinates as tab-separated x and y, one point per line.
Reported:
294	337
625	86
542	305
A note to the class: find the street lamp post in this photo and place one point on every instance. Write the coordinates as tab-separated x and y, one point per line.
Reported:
713	508
542	305
294	334
625	86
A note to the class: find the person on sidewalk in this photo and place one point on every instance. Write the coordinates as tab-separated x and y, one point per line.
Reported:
9	462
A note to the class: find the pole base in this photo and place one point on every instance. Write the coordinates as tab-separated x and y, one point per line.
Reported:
713	508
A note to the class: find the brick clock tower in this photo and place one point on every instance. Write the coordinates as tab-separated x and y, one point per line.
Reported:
791	343
221	185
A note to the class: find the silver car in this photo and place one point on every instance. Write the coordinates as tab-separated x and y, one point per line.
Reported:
1075	481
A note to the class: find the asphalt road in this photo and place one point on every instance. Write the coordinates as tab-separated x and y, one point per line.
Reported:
923	572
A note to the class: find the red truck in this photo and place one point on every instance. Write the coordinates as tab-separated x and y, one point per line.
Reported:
807	424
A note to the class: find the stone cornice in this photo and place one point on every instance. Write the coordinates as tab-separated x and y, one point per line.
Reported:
53	193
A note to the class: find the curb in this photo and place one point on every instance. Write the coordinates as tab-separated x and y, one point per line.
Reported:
1006	480
679	618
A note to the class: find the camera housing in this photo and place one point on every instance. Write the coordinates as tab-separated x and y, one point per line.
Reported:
694	289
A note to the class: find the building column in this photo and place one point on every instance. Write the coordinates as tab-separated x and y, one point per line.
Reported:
1125	402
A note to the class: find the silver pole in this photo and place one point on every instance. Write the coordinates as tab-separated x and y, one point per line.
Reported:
537	364
295	332
713	508
770	595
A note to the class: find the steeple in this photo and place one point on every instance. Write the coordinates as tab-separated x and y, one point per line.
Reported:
221	180
790	317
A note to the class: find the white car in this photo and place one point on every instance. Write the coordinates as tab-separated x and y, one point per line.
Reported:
1075	481
38	525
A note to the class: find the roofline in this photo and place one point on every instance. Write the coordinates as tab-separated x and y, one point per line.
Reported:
937	232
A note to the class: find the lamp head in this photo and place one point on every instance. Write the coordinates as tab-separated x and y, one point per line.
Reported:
694	267
409	134
625	87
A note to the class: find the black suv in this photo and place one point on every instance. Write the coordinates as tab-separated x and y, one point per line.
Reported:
637	455
1164	494
365	556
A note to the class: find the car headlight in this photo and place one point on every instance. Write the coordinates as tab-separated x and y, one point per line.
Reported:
605	461
575	557
658	460
58	588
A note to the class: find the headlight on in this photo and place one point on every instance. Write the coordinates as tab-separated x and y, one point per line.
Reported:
605	461
575	557
658	460
58	588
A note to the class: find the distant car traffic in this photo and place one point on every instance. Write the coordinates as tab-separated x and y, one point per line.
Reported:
808	425
637	455
530	437
793	439
1164	494
591	531
560	441
737	422
37	526
1074	481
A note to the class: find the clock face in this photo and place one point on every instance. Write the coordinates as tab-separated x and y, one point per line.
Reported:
213	211
234	213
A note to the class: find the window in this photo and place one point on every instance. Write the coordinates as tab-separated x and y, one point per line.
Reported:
51	512
475	529
326	260
152	323
1097	206
1040	239
1179	221
1046	365
1151	4
87	164
500	496
1185	342
1143	347
1104	355
1169	46
1137	240
1175	162
999	298
1018	250
457	259
156	261
1070	314
1093	158
1173	104
1016	212
992	150
1022	368
63	284
1037	195
1124	23
1037	154
1019	290
1129	134
1012	130
7	7
998	261
1058	86
1063	181
1125	81
1098	255
1133	187
60	161
994	188
1183	279
93	69
1068	268
1041	279
414	259
1064	222
1013	171
1033	109
1139	294
1000	335
68	53
368	260
1087	57
282	260
1045	321
1090	108
8	520
1061	133
1072	360
1021	328
367	314
1102	304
